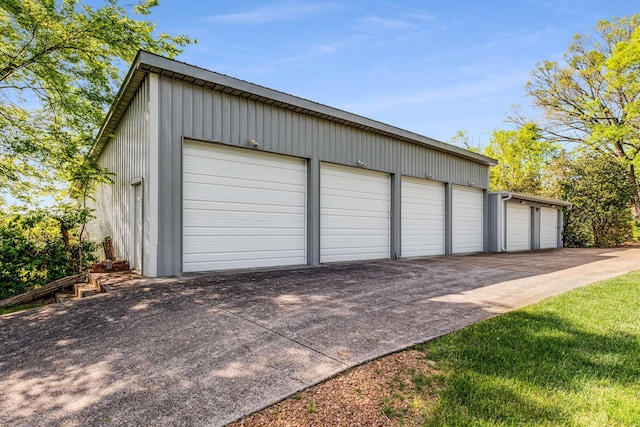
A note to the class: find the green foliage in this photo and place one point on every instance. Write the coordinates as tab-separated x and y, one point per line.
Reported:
571	360
19	307
596	186
522	156
636	231
311	407
461	139
37	248
623	70
592	97
61	63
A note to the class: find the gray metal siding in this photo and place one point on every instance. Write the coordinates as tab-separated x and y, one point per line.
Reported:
560	228
170	177
448	219
498	216
495	224
194	112
198	113
535	228
127	157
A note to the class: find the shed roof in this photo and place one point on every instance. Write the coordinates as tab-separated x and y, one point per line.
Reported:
146	63
532	198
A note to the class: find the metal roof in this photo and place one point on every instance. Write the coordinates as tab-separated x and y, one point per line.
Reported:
146	62
532	198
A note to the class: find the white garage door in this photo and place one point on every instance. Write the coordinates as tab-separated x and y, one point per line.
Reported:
354	214
466	205
518	227
422	217
548	228
242	208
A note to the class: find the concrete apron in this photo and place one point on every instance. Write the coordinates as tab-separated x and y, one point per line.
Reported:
208	349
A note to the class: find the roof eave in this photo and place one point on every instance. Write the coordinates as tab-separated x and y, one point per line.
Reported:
128	88
146	62
533	198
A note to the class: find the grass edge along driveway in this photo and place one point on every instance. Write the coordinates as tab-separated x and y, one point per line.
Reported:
572	359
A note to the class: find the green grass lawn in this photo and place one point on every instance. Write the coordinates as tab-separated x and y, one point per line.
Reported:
19	307
571	360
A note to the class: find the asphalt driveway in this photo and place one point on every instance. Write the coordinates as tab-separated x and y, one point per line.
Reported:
208	349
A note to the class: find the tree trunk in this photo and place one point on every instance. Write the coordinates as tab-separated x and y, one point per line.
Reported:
635	192
109	253
66	238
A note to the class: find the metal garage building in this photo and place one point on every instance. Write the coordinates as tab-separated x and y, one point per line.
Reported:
212	172
522	222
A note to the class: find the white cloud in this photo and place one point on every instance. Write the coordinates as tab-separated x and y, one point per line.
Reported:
455	92
374	23
425	17
335	46
285	12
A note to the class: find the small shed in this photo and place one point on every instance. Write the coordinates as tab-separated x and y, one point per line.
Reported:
523	222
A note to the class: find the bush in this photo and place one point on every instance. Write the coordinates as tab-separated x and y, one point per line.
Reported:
601	197
38	248
636	230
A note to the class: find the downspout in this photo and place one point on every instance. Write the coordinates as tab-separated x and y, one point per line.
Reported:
504	222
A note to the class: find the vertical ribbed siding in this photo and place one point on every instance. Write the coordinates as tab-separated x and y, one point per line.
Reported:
126	156
495	224
193	112
202	114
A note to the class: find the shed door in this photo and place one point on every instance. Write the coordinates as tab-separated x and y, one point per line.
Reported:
548	228
518	227
422	217
242	208
466	219
354	214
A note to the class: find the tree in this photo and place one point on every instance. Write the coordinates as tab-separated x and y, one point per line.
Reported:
596	186
522	154
40	246
61	63
85	178
461	139
592	97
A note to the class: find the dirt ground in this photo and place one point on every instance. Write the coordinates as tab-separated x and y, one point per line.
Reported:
367	395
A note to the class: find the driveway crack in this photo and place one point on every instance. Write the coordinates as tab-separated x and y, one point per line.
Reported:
281	335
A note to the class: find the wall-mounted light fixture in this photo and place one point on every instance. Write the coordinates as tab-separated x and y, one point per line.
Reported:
428	176
522	202
472	183
361	164
254	144
553	206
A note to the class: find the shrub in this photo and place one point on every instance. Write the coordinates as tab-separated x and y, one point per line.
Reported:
38	248
601	197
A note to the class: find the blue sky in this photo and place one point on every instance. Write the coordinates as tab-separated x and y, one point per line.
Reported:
431	67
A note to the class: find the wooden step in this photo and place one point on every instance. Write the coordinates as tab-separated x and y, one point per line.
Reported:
109	281
82	290
65	296
92	278
95	283
79	290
